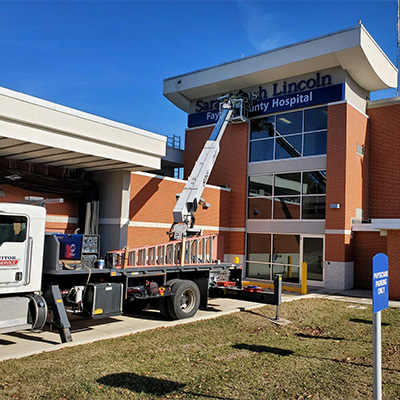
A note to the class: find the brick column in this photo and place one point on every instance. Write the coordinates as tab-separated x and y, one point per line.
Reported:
347	127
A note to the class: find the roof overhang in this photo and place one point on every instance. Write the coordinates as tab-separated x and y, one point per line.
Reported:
352	49
40	132
386	224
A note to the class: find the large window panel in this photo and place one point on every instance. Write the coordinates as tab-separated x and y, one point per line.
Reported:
315	143
289	273
284	135
288	147
313	207
289	123
286	249
286	207
262	128
314	182
262	150
259	247
315	119
261	185
260	208
287	184
258	270
292	195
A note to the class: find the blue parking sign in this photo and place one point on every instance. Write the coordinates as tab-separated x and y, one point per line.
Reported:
380	282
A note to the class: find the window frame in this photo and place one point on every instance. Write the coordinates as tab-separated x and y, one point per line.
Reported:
273	196
275	137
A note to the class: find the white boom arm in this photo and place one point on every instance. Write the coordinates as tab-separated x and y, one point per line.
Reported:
188	201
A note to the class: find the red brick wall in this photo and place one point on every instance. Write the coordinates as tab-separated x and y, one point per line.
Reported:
69	208
383	149
153	199
230	168
345	173
366	246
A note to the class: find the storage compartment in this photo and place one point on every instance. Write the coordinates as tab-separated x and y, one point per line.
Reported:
103	299
70	246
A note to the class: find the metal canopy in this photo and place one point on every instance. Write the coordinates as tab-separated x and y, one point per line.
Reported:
39	132
56	157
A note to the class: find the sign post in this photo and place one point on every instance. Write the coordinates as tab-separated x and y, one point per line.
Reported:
380	301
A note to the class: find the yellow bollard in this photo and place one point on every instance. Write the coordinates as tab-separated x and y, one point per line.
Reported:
236	260
290	267
304	278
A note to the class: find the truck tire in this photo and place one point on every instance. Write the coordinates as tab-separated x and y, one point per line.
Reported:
185	300
162	303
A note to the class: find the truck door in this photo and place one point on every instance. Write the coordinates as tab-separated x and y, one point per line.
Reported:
15	248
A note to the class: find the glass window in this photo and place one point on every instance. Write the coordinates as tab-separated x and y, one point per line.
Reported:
259	255
262	128
315	119
286	249
289	123
313	207
314	182
293	195
287	184
259	270
260	208
288	147
260	185
262	150
259	247
286	207
12	228
290	273
284	260
314	144
280	136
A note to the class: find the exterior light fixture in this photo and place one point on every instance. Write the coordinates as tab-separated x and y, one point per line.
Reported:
13	177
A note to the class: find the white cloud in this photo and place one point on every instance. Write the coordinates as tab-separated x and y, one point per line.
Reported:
260	26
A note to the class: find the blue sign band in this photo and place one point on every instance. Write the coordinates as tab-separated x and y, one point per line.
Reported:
277	104
380	282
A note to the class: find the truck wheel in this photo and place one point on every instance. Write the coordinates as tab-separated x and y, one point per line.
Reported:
163	302
37	311
185	300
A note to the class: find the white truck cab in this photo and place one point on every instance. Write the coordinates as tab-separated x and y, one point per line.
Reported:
22	229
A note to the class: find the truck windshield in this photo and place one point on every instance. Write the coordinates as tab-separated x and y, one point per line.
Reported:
12	228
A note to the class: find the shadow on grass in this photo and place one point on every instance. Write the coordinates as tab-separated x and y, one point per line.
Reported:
149	385
140	384
252	312
366	321
263	349
307	336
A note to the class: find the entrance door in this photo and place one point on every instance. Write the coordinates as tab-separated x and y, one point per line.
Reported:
313	255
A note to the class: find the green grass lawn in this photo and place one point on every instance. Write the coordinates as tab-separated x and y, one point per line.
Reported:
325	354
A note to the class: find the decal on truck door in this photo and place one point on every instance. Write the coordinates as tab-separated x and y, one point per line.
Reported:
13	250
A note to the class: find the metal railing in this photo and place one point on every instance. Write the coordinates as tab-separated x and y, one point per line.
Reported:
196	250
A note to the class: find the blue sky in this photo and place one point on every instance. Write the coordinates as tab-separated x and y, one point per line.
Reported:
110	58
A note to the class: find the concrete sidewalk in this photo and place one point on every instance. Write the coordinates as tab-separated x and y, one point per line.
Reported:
84	330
